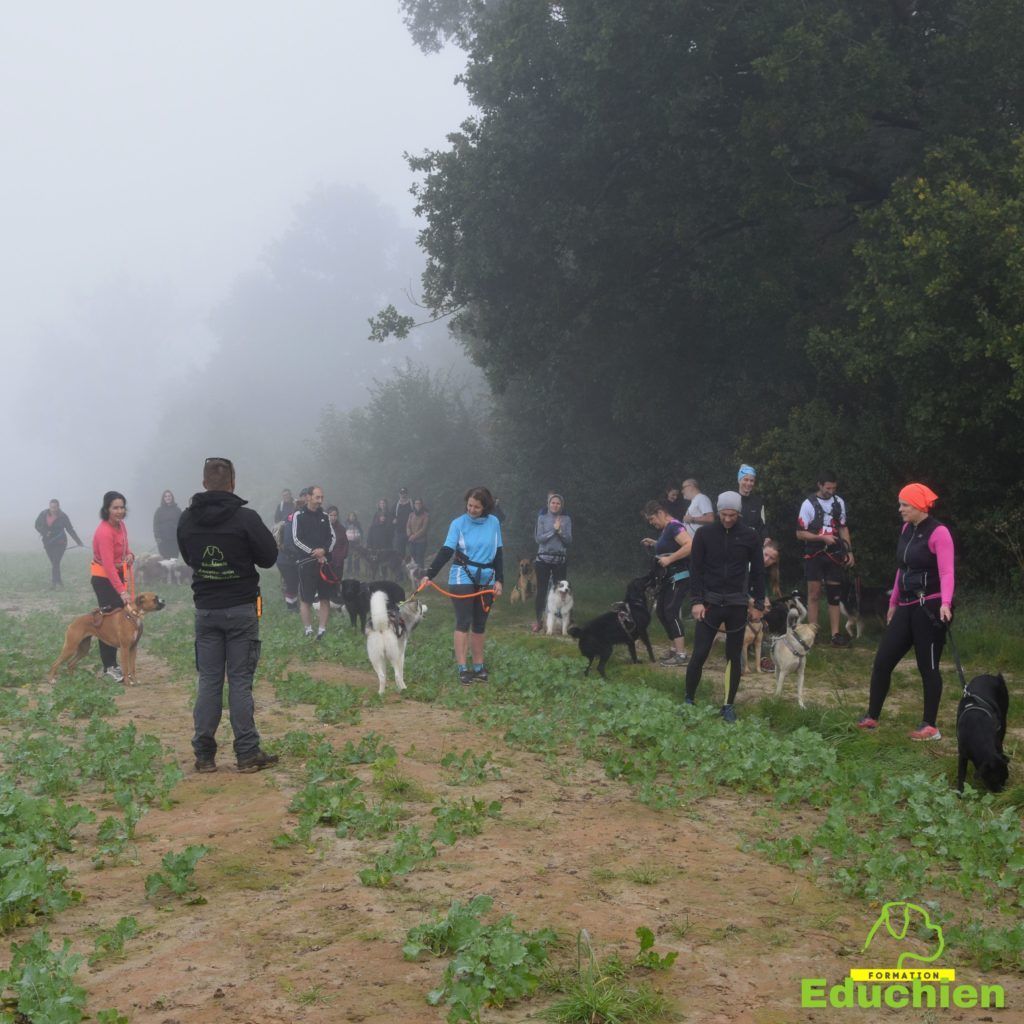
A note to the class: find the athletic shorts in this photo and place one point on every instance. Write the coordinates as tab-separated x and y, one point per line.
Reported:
822	569
311	586
470	612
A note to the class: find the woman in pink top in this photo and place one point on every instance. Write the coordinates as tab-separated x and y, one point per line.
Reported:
920	608
111	558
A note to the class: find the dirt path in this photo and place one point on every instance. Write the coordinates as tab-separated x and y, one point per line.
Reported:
291	934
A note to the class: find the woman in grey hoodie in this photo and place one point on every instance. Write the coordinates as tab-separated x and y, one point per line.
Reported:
553	536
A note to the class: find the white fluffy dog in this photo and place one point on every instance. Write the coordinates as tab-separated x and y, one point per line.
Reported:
559	606
789	652
387	634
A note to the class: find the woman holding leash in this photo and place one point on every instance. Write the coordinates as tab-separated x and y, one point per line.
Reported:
553	535
920	608
111	561
474	545
165	526
54	526
672	553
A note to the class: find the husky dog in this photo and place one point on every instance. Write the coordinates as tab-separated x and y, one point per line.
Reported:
413	570
789	652
559	606
388	633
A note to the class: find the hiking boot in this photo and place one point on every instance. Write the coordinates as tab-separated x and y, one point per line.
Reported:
840	640
728	714
481	674
205	765
925	732
257	761
467	676
115	673
867	722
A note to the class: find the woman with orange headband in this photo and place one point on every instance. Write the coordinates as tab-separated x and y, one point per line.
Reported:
920	607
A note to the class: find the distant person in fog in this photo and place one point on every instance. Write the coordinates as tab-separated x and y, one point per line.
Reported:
165	526
53	527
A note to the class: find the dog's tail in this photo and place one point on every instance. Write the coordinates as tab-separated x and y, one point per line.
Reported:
379	611
575	631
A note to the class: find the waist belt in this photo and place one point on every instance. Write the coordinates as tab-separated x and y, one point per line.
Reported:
96	569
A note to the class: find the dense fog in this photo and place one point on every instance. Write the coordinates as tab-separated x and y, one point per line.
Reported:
203	206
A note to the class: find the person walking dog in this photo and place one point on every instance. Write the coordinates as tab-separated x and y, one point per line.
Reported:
224	542
920	609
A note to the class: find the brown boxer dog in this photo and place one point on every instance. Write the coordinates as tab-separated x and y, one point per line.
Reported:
121	628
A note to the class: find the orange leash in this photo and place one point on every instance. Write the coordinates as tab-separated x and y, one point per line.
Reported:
458	597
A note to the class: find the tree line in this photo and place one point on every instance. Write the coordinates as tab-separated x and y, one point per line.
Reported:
676	235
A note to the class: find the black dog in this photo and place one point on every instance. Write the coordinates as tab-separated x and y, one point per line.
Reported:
776	619
355	597
858	603
625	625
980	730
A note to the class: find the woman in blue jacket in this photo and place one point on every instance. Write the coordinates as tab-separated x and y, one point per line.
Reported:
474	545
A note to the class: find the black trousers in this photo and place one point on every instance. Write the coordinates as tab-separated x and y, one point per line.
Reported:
548	573
670	605
735	618
913	626
55	552
108	599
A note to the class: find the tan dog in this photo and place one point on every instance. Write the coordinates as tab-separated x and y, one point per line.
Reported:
121	629
753	636
789	653
526	585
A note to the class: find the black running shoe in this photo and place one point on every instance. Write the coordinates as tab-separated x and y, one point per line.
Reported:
257	762
481	674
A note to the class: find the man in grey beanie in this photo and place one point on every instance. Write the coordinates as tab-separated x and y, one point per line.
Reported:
726	566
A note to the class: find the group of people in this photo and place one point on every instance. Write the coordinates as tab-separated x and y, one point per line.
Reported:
720	569
714	561
394	526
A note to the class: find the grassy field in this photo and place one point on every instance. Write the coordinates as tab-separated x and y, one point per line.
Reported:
864	819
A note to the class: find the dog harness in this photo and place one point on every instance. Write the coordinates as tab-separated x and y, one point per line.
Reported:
626	620
978	703
797	651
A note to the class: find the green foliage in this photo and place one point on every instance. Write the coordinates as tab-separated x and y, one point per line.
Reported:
493	964
42	980
470	768
409	851
110	943
647	957
369	749
446	935
176	877
463	818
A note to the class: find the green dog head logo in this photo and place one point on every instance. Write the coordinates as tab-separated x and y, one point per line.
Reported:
897	919
212	553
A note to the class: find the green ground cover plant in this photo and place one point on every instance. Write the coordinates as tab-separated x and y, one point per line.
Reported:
177	876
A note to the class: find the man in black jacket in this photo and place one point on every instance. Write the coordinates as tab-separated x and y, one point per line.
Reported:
223	543
726	565
313	538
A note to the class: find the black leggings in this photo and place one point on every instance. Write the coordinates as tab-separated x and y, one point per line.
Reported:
547	573
918	627
669	605
55	552
109	600
470	612
735	618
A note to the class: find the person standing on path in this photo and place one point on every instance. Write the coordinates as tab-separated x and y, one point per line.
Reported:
53	527
224	542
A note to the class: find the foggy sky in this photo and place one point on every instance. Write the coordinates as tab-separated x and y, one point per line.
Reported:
152	154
